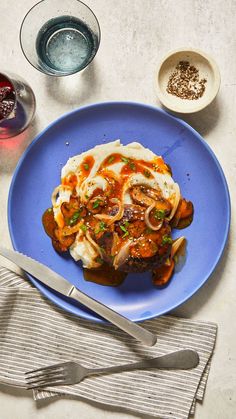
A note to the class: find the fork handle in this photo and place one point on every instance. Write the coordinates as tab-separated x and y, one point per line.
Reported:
182	359
144	336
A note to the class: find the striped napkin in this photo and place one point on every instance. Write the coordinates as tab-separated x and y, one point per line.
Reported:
34	333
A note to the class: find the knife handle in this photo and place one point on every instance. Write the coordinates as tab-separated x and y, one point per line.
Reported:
144	336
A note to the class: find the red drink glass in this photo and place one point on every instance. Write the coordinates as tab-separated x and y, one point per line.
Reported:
17	105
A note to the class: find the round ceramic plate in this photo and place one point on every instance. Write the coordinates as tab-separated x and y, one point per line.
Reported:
194	167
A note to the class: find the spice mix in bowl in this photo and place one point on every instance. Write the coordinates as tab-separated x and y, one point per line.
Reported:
187	80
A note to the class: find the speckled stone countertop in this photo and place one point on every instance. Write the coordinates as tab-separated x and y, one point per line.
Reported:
135	36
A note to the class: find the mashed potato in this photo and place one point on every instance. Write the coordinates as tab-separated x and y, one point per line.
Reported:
116	205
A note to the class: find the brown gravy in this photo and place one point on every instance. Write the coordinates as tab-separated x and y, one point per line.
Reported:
49	223
105	275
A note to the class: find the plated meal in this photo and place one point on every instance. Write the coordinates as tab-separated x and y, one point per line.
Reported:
195	169
115	209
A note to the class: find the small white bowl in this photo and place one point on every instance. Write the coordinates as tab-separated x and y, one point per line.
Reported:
208	70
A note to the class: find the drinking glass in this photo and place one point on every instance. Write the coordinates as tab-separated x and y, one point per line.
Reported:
60	37
17	105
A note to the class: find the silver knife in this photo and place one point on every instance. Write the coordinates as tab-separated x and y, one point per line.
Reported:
55	281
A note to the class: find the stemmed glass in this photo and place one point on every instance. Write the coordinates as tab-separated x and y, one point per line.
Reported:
17	105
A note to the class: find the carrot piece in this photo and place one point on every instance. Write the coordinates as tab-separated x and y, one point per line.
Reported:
186	208
163	274
184	222
184	211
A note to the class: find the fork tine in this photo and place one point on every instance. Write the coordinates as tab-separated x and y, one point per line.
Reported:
45	384
45	368
44	378
46	372
42	384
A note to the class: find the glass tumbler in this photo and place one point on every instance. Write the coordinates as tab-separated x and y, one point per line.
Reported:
17	105
60	37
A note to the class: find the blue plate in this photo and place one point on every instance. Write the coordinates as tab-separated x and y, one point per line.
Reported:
194	167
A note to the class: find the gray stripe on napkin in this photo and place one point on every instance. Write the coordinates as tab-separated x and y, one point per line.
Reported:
12	279
34	332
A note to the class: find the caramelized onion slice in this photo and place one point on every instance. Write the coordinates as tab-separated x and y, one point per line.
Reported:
66	231
54	195
114	244
110	219
176	201
92	253
94	244
122	255
147	221
176	245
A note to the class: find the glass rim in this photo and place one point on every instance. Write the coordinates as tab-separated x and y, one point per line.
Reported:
57	74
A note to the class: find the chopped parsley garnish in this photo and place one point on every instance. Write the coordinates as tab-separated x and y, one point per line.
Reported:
147	173
125	160
75	217
86	196
132	166
96	203
111	158
126	233
83	228
166	239
126	223
101	227
148	230
49	209
159	214
99	260
86	166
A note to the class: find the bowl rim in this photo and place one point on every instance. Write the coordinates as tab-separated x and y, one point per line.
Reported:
178	108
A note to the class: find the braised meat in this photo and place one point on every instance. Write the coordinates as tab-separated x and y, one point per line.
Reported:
146	249
146	196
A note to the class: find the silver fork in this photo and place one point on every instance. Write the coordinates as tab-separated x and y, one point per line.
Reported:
72	373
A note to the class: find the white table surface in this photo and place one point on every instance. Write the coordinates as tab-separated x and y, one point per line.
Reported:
135	35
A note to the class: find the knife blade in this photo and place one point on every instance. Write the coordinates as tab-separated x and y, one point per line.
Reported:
58	283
